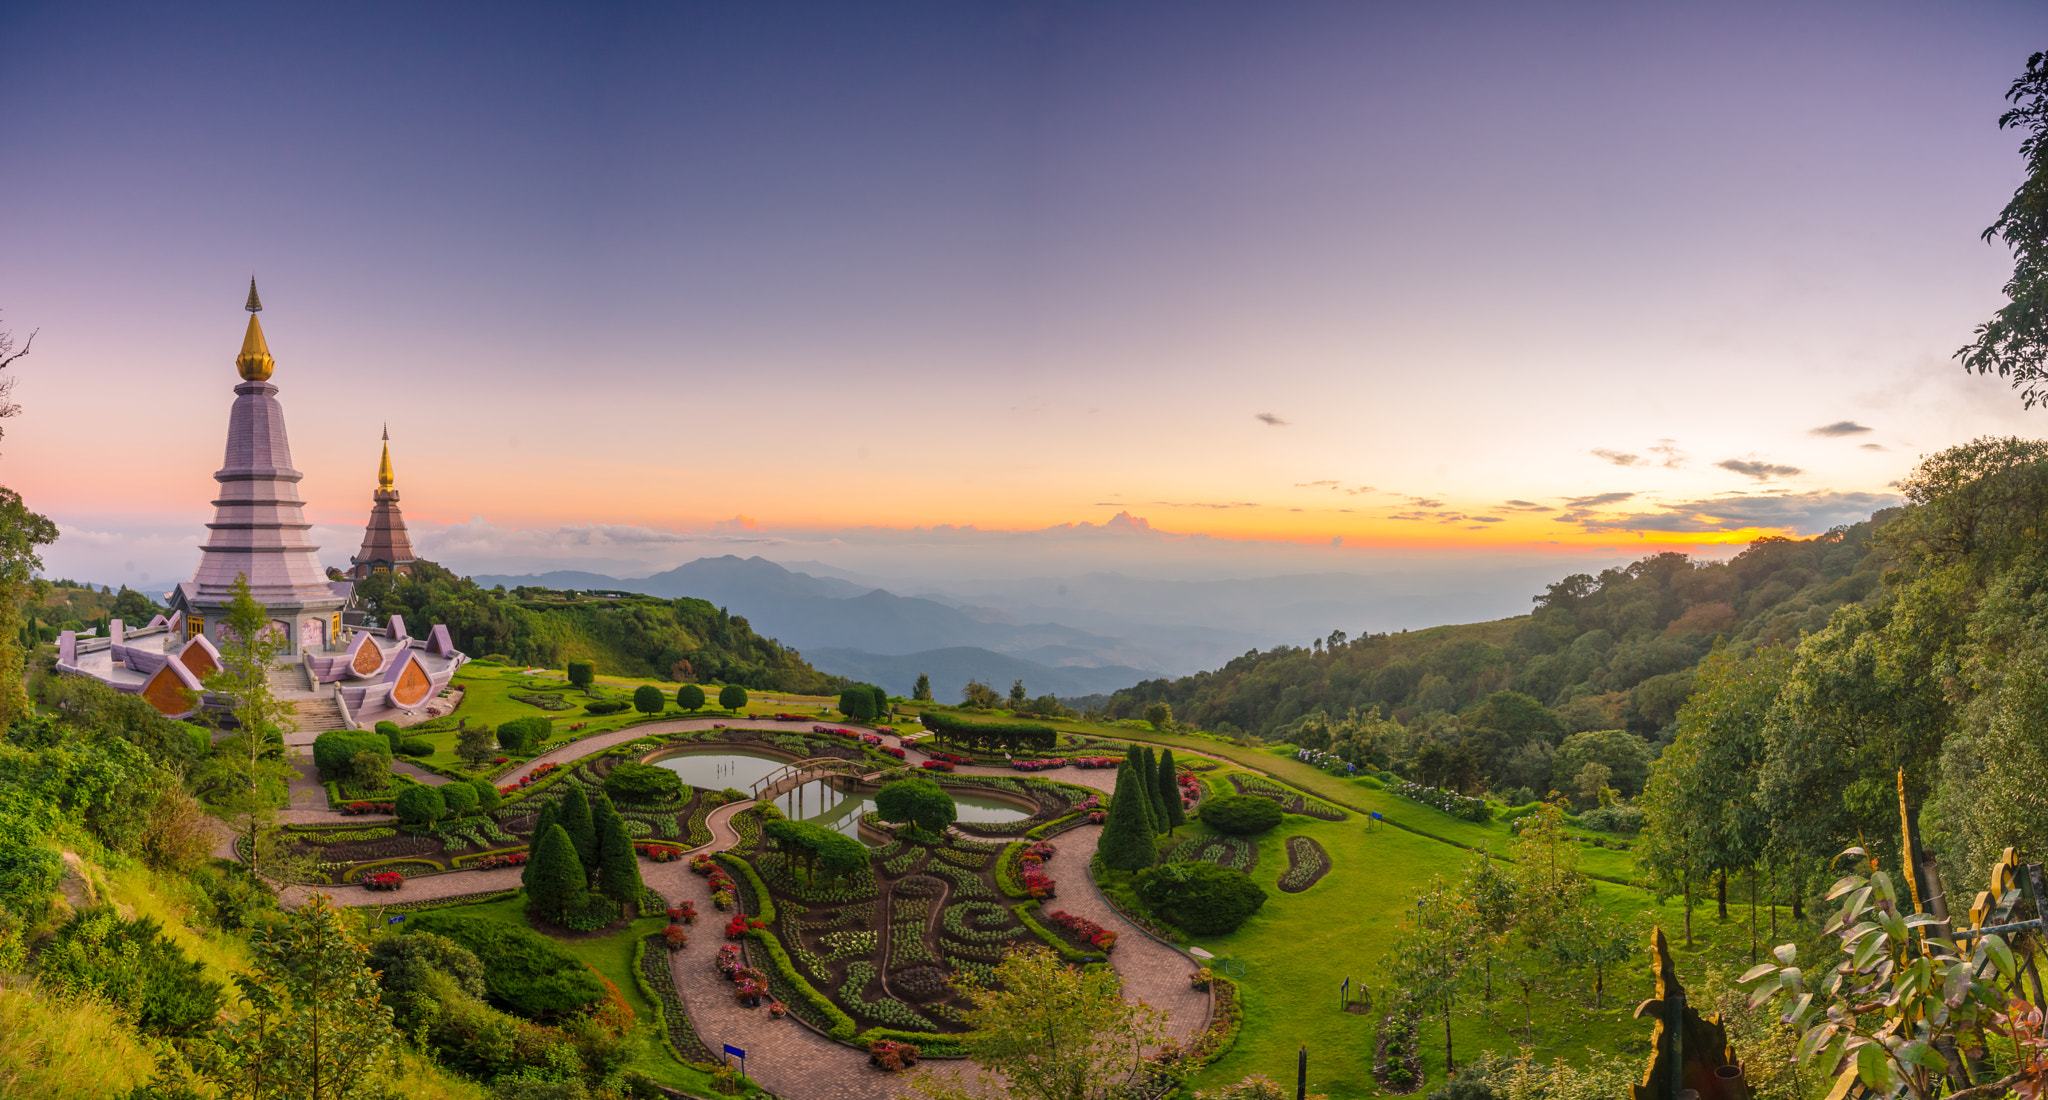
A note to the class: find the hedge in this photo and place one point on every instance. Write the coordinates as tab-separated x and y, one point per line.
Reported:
766	903
1007	735
1052	939
1007	876
335	750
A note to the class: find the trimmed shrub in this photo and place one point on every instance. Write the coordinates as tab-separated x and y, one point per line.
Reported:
414	746
648	699
1009	736
334	752
690	697
419	804
390	732
487	796
557	885
525	972
1240	814
630	782
523	735
857	703
1201	898
606	706
458	799
918	802
582	673
732	697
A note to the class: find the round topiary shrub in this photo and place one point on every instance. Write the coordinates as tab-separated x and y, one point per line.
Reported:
1240	814
631	782
458	798
419	804
487	796
391	734
648	699
690	697
413	746
1201	898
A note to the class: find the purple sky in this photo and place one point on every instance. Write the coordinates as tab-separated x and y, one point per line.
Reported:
829	267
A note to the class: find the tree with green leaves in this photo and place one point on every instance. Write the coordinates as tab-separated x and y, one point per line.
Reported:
248	771
1160	716
1155	794
572	813
922	692
1018	695
1126	842
1589	939
618	868
732	697
543	820
1549	886
1142	791
313	1025
2014	343
690	697
419	805
857	703
474	744
582	674
557	885
918	802
1169	792
21	532
1043	1030
1428	962
1487	894
647	699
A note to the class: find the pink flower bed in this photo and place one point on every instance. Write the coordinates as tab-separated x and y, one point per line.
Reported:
1097	761
383	880
1037	765
354	809
1088	930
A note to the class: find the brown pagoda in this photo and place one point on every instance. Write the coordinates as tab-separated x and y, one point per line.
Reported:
387	548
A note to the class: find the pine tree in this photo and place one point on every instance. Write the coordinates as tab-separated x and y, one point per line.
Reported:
557	886
618	871
1169	791
1134	757
1126	842
574	815
542	822
1161	820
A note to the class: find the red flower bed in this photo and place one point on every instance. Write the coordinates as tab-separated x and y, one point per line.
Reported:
675	937
537	774
686	913
501	760
1095	817
789	718
1037	765
383	880
703	865
893	751
937	765
947	757
1087	929
354	809
738	927
1097	761
659	853
1037	882
501	859
890	1055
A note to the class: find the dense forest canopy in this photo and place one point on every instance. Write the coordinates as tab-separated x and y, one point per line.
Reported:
627	635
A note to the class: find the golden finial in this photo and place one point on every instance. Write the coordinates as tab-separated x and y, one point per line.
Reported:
384	469
255	362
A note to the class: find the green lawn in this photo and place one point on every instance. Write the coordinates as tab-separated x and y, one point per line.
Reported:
612	956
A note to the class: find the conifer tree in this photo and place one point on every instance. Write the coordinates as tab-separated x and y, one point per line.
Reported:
618	872
1134	757
557	886
542	822
1126	843
1161	821
573	814
1169	792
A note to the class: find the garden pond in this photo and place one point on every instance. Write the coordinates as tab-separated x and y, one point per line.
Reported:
820	801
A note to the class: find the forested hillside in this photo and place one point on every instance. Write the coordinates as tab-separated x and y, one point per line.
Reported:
627	635
1613	651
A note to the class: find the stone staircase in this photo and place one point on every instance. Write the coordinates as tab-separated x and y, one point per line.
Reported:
318	712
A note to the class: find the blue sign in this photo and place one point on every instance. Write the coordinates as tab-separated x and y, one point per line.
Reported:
738	1053
1376	816
396	919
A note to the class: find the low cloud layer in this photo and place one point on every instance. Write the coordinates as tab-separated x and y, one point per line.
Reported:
1804	513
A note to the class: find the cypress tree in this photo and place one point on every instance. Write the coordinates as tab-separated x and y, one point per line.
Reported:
618	872
1161	821
574	816
1136	759
1126	842
1169	792
557	888
542	822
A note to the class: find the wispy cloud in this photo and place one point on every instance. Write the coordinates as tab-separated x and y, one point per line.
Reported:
1872	447
1618	458
1206	504
1526	506
1664	453
1761	471
1668	450
1269	420
1326	484
1839	428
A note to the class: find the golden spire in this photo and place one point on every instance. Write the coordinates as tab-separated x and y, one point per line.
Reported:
384	468
255	362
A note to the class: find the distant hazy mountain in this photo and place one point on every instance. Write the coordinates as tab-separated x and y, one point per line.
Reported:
813	613
951	668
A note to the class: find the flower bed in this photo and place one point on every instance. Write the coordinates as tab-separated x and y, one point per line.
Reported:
937	765
1086	930
738	927
501	859
892	751
659	853
1097	761
675	938
946	757
889	1055
1037	765
1463	807
357	809
383	880
1306	863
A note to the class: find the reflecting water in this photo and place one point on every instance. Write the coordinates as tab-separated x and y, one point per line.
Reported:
819	800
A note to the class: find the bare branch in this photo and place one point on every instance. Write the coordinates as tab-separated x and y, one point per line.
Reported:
1986	1091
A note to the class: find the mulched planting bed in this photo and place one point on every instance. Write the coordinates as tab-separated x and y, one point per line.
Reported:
1234	852
1307	863
682	1034
1291	800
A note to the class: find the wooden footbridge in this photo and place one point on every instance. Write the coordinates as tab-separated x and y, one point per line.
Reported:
791	776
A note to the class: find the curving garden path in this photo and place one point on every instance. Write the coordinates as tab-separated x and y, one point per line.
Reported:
784	1056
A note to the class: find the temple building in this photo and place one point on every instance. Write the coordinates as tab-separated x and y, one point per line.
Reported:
386	546
259	532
